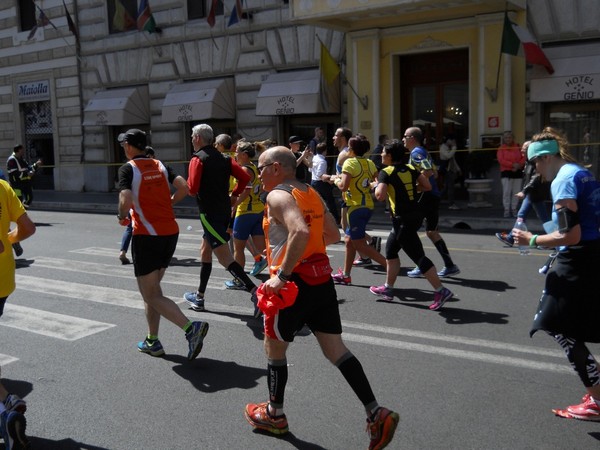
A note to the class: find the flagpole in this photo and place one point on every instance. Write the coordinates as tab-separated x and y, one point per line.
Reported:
493	93
59	32
364	101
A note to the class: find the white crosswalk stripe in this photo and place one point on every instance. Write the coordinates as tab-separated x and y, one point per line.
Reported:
7	359
72	328
50	324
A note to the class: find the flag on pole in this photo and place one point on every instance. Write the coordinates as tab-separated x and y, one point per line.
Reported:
236	14
329	68
145	19
518	41
72	27
211	15
41	21
122	20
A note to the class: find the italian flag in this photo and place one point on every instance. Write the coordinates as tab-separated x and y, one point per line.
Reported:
518	41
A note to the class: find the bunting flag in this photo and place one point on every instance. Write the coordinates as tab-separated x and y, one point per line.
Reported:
122	20
518	41
72	27
42	21
211	15
236	14
145	19
329	68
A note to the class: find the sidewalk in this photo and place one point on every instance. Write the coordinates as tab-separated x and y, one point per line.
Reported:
489	219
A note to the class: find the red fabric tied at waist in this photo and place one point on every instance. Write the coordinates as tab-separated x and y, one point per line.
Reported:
315	269
269	304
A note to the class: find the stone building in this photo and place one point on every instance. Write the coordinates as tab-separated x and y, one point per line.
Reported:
434	64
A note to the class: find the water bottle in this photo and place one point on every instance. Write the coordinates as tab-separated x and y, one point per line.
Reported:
520	225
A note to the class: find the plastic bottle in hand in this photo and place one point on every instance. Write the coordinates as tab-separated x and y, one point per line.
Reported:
520	225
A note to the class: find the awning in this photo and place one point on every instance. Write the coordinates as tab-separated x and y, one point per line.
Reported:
200	100
576	69
299	92
123	106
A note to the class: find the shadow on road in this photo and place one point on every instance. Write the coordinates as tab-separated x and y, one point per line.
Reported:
63	444
293	440
211	375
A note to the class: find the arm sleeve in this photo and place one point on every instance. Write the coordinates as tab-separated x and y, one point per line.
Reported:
125	177
194	175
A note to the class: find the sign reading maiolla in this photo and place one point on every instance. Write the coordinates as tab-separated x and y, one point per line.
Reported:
35	91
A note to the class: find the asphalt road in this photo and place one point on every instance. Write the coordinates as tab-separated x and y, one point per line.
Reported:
466	377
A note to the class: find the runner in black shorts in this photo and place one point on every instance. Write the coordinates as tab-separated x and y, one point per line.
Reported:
429	201
145	196
296	252
208	181
152	253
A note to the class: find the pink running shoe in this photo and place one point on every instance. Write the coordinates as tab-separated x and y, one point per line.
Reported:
382	291
439	298
339	277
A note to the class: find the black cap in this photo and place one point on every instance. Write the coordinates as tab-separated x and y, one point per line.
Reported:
134	137
295	140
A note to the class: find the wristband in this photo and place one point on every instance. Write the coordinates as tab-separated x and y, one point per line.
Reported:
532	242
283	277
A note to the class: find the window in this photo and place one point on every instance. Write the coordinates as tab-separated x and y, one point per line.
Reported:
122	15
198	9
26	14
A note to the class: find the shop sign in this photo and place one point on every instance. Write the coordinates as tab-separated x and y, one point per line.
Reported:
285	105
566	89
36	91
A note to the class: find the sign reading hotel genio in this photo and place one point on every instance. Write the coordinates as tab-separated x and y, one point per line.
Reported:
35	91
570	88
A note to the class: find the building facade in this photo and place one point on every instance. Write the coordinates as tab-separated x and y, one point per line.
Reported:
437	65
432	64
257	76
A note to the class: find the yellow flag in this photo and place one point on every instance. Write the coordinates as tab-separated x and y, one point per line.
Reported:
122	21
329	68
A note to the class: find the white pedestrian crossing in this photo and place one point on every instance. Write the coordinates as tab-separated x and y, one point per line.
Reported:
71	328
50	324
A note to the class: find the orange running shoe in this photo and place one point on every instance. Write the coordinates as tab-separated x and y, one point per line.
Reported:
258	416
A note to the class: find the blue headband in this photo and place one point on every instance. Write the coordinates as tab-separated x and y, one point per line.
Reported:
540	148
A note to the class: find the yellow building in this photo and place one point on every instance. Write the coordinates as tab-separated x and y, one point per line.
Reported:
432	64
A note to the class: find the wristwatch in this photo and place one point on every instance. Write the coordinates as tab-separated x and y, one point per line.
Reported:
283	277
120	218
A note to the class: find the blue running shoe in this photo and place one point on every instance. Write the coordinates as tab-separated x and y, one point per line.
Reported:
15	403
258	267
195	337
235	285
415	273
152	348
449	271
439	298
12	430
506	238
194	302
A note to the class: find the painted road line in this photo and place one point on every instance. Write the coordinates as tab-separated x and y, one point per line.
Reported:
50	324
6	359
112	270
484	343
98	294
461	354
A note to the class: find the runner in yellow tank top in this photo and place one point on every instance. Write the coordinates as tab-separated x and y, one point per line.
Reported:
357	175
